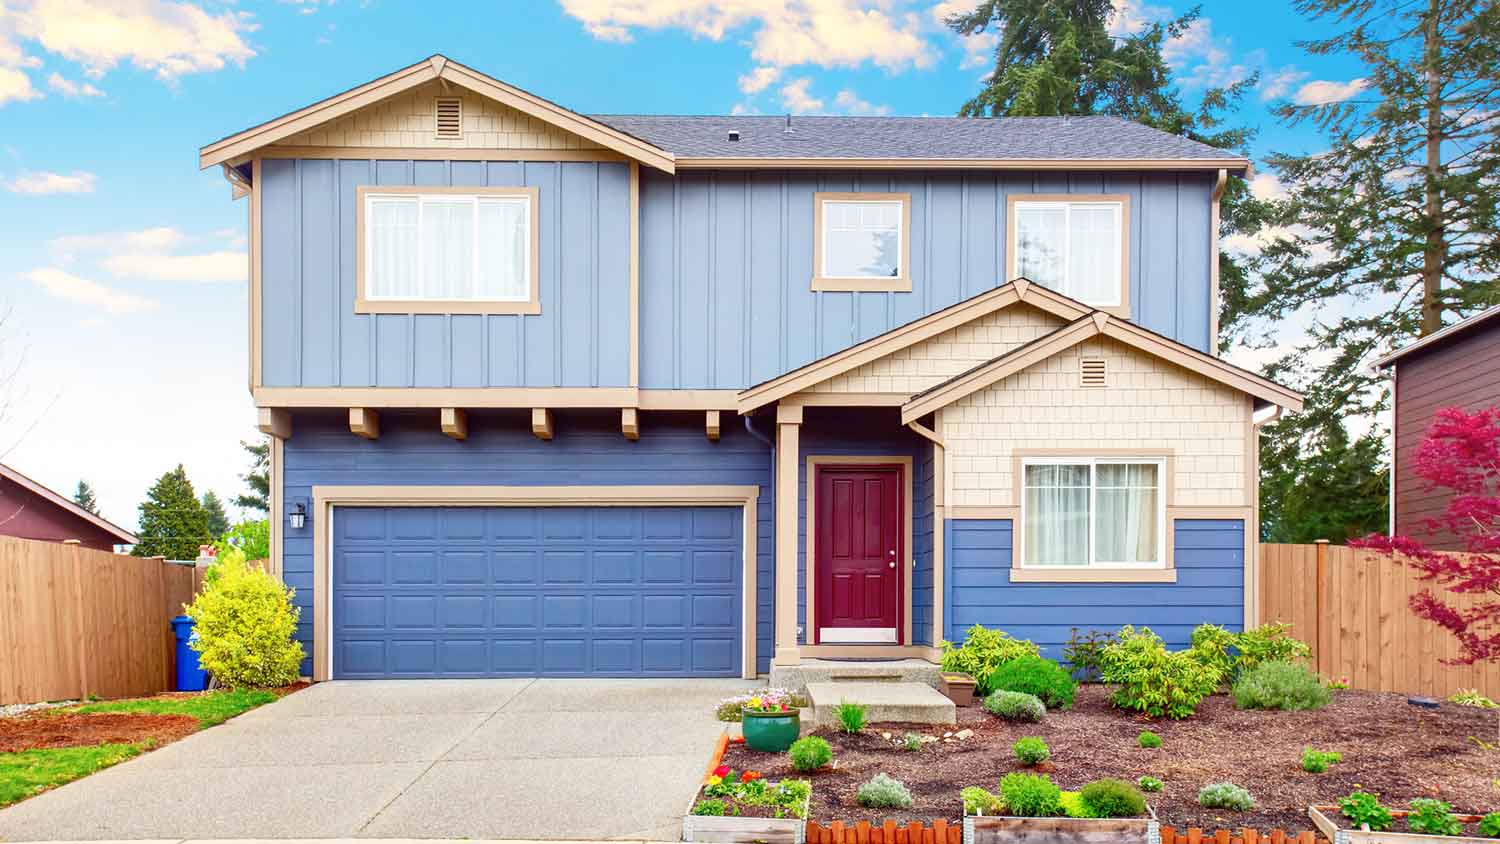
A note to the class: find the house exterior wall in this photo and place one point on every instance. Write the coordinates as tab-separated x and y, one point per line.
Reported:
26	515
726	263
1210	560
1463	371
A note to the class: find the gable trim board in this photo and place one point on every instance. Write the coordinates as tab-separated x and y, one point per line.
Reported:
441	153
421	398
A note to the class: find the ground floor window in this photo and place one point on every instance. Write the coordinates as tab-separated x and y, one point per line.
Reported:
1093	512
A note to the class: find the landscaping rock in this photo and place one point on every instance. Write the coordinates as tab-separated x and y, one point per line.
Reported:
964	734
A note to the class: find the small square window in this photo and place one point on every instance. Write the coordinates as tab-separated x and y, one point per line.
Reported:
861	242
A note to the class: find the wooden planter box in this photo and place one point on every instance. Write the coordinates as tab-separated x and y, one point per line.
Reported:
1323	818
981	829
734	830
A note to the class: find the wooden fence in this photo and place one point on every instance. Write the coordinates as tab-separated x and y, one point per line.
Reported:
76	622
1352	607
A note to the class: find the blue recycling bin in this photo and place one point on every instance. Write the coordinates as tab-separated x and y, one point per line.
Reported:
190	676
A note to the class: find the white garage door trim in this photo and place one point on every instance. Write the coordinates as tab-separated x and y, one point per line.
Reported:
325	498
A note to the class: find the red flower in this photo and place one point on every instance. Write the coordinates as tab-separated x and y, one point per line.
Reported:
736	739
721	771
749	776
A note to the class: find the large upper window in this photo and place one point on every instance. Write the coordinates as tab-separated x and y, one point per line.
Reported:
1076	247
448	251
861	241
1108	513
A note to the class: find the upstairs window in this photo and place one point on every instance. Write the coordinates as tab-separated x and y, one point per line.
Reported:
861	242
1073	246
1093	512
434	250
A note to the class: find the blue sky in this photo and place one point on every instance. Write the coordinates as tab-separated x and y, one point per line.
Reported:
123	267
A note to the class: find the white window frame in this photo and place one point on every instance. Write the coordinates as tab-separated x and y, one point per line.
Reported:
1162	486
1120	203
898	283
367	303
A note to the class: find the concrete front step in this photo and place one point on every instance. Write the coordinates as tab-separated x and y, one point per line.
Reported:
916	703
799	677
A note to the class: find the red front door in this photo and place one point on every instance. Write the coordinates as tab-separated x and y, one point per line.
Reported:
859	562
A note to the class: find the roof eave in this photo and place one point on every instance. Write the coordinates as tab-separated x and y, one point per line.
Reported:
1236	165
1437	337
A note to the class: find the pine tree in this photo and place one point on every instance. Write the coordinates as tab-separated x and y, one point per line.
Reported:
84	497
172	521
213	509
258	479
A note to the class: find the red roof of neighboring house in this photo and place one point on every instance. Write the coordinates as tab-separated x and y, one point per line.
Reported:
67	505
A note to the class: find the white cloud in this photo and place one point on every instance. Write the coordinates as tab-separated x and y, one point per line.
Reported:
71	89
65	285
1276	83
979	48
1267	186
155	254
44	182
159	239
16	85
759	79
849	103
206	268
1132	16
797	99
1324	92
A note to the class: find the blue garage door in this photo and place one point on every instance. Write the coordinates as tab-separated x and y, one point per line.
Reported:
537	591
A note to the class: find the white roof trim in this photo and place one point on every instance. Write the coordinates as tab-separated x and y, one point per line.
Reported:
1437	336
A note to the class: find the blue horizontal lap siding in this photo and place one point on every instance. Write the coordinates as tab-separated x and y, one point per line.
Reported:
529	591
500	450
1209	555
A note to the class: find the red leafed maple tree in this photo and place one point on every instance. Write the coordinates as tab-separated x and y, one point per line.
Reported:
1461	454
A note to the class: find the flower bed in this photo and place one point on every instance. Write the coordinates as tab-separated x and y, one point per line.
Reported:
1466	828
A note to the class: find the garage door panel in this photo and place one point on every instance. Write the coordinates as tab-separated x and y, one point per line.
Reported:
531	591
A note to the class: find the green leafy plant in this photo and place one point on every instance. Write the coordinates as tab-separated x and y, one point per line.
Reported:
1361	809
1111	798
983	651
252	537
977	801
1030	795
1472	697
1015	706
245	623
1083	653
1151	784
911	742
1433	817
710	808
884	792
851	716
1268	643
1031	750
1281	685
1317	761
1154	680
1489	825
810	753
1211	645
1148	739
731	708
1225	795
1036	676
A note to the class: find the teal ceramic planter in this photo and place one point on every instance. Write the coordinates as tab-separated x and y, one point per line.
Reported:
770	732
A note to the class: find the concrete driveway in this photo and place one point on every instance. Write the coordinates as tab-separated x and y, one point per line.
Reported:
411	759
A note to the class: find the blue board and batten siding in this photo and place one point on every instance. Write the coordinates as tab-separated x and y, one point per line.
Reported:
1209	555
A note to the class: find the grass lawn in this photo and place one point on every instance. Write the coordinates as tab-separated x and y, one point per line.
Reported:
31	772
209	709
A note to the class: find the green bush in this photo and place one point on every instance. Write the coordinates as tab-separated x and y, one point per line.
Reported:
884	792
1083	652
1281	685
851	716
810	753
982	652
1151	784
1031	750
1268	643
911	742
1148	739
1036	676
1030	795
977	801
712	808
1489	825
1015	706
251	537
1317	761
1361	808
245	622
1433	817
1211	646
1111	798
1225	795
1154	680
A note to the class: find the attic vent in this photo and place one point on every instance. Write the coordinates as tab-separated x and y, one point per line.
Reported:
734	135
1092	372
449	112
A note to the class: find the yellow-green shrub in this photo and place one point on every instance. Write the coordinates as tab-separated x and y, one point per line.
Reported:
245	621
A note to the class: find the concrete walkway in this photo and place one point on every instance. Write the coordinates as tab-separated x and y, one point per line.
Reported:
482	759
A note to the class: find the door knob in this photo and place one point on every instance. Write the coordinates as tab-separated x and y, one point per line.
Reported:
893	564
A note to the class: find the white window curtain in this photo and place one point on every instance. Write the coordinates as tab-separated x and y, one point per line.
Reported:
1072	247
1092	512
448	247
861	239
1057	515
1125	524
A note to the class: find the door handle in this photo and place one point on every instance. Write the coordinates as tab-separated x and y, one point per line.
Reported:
893	564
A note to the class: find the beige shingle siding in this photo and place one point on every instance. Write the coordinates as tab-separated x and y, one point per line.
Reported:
1150	404
408	120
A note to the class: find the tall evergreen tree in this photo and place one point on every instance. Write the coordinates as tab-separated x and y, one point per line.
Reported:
172	521
258	479
213	510
84	497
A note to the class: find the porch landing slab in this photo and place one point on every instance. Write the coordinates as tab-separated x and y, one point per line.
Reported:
799	677
916	703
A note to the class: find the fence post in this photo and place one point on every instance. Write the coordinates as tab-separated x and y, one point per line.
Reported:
80	622
1322	605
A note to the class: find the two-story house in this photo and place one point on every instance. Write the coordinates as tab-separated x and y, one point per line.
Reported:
608	395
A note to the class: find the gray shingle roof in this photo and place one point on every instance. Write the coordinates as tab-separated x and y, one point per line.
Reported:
1028	138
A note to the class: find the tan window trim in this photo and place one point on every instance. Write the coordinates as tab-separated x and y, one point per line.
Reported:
365	305
1120	310
901	283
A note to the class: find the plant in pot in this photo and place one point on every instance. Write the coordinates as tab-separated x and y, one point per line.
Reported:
770	722
958	687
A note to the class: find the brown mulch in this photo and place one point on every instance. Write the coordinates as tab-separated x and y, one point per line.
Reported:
1389	747
71	729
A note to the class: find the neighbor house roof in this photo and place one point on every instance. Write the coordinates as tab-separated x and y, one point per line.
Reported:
67	504
1441	336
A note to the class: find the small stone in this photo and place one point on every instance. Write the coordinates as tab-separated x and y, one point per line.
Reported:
929	739
886	736
964	734
947	735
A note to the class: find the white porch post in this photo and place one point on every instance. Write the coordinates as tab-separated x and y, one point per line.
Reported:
788	458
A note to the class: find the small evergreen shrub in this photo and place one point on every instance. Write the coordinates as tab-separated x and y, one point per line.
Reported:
1015	706
1281	685
983	651
1433	817
810	753
1111	798
1150	784
1083	652
977	801
1036	676
1489	825
1268	643
884	792
1362	808
851	716
1225	795
1153	680
1317	761
1030	795
1149	739
245	622
1031	750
